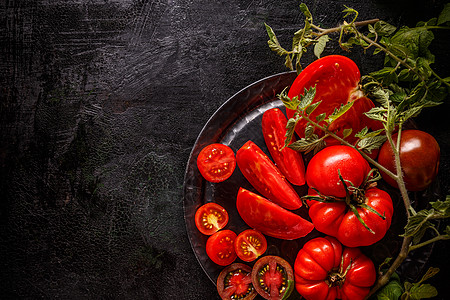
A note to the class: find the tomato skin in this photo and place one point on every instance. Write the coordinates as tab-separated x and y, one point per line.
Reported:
265	177
210	218
335	219
216	162
322	170
274	272
238	285
289	162
250	244
419	157
220	247
336	79
270	218
320	259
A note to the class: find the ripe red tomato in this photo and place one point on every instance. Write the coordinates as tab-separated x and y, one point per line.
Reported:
220	247
216	162
289	162
270	218
419	157
265	177
322	171
336	79
325	270
210	218
336	219
271	276
235	282
250	244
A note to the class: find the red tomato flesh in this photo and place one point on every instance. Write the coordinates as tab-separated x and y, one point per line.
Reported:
270	218
216	162
289	162
250	244
220	247
234	282
336	79
210	218
265	177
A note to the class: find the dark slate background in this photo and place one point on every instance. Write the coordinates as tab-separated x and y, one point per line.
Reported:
101	103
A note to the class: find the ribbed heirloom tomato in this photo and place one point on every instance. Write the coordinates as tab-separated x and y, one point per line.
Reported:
324	270
336	79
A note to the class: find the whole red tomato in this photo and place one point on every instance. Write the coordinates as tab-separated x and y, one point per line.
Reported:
322	172
325	270
419	157
339	220
336	79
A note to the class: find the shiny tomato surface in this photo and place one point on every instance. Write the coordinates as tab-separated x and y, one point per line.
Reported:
216	162
265	177
419	157
336	79
270	218
289	162
220	247
235	282
250	244
338	220
210	218
325	270
322	172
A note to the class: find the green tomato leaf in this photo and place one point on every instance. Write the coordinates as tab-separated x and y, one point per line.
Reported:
384	29
391	291
307	98
444	16
422	291
320	45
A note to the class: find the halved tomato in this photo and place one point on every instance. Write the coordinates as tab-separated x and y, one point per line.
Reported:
216	162
250	244
270	218
235	282
265	177
289	162
273	277
336	79
210	218
220	247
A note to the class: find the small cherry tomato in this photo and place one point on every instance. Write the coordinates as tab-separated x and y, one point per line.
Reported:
289	162
270	218
210	218
220	247
265	177
250	244
216	162
235	282
419	157
272	276
325	270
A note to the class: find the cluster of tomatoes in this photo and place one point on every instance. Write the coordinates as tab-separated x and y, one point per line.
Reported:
344	203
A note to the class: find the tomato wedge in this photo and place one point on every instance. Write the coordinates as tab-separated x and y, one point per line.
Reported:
289	162
210	218
250	244
265	177
216	162
336	79
235	282
220	247
273	277
270	218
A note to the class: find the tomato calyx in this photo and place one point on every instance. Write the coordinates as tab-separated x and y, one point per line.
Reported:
337	277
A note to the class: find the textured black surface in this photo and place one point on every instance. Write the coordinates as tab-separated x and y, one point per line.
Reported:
101	102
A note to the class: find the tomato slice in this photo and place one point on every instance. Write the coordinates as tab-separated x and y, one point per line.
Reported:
336	79
289	162
210	218
216	162
220	247
270	218
250	244
265	177
272	277
235	282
